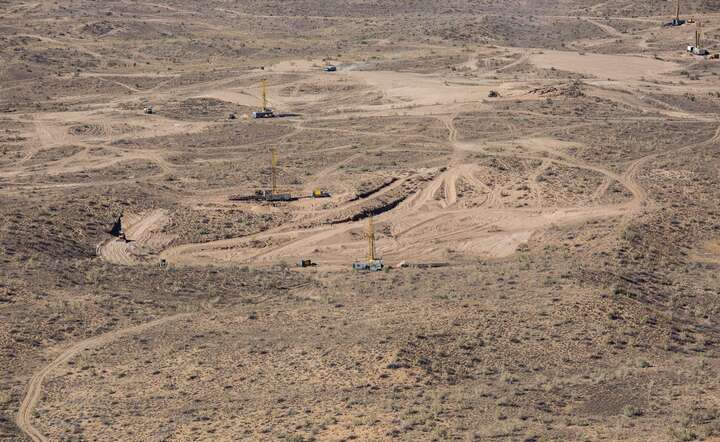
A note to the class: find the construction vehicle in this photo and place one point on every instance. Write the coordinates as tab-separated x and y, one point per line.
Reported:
271	195
698	49
266	112
319	193
330	68
373	263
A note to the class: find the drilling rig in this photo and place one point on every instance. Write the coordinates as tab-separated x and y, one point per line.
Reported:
265	111
273	168
373	263
272	194
698	49
677	21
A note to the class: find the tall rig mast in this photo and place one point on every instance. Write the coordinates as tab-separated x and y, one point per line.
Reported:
273	167
373	263
264	95
265	111
371	240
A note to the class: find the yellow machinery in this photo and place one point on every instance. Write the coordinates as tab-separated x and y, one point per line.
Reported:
264	95
371	239
319	193
273	167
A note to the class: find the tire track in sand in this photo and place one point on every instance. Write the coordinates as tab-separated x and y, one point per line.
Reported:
119	251
34	388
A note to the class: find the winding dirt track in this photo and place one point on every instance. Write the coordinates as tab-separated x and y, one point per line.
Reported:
34	388
431	222
435	219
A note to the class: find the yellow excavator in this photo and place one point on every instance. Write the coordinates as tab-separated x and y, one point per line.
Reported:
319	193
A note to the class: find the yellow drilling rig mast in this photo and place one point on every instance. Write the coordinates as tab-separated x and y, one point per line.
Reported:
265	111
273	168
371	240
698	34
264	94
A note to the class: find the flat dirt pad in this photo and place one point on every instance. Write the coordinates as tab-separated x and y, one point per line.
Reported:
601	66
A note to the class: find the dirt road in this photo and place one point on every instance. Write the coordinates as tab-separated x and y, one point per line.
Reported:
432	223
34	388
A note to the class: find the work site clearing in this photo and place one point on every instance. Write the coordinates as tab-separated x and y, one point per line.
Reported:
355	220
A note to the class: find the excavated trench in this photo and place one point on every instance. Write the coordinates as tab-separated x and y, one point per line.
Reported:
371	211
368	193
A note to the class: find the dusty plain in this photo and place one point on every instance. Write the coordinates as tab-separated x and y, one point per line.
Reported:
543	175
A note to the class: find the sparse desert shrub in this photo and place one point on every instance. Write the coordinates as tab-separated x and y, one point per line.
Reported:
683	434
503	402
631	411
631	235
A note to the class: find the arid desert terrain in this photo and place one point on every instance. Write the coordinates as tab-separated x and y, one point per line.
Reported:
543	180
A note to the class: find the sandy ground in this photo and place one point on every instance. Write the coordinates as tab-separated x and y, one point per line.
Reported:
611	67
543	199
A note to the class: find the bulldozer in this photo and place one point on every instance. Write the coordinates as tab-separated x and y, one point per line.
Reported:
319	193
